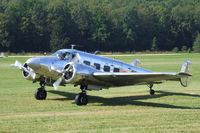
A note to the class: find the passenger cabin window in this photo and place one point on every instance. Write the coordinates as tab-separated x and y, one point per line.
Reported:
116	70
97	66
86	62
106	68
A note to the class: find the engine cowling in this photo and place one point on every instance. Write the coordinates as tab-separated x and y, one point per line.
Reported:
71	76
27	75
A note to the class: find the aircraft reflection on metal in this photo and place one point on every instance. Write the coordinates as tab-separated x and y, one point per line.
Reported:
92	72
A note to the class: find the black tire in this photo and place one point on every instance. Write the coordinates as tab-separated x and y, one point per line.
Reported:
40	94
152	92
81	99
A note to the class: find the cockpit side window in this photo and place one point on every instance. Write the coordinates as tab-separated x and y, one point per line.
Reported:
63	55
73	55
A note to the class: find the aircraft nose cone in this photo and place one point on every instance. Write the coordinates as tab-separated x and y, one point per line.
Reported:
33	63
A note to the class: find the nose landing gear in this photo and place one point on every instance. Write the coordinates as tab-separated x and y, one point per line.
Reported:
41	93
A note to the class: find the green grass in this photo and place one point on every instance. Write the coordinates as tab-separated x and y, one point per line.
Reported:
125	109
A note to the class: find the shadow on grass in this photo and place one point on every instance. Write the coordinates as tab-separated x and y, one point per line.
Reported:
128	100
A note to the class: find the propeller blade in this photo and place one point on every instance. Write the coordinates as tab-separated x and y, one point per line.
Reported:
73	62
57	83
21	67
32	73
17	64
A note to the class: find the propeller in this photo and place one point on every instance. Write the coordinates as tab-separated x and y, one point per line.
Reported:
21	67
74	61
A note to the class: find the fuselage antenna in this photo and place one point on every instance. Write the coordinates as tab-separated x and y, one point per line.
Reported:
72	46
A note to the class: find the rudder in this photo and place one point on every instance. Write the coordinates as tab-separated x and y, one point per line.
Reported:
185	73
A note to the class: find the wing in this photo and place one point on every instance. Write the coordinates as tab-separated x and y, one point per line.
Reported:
120	79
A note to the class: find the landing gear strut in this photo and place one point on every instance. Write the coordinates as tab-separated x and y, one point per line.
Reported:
41	93
81	98
151	91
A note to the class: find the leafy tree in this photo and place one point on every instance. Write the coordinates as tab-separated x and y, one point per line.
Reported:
175	50
154	44
102	25
196	44
4	35
60	22
84	25
122	25
184	48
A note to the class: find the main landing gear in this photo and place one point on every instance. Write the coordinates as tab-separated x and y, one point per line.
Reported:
82	98
151	91
41	93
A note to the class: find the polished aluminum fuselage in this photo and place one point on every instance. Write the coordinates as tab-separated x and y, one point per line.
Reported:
69	66
51	66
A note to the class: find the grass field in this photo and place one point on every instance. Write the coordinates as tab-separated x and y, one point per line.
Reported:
127	109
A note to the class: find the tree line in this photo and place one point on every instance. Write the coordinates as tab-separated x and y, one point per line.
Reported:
106	25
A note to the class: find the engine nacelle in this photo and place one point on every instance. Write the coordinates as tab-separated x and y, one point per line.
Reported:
71	76
27	75
77	73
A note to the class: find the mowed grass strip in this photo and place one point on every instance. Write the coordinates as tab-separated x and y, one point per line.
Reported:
124	109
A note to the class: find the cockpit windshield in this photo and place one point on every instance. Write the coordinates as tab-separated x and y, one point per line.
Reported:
62	54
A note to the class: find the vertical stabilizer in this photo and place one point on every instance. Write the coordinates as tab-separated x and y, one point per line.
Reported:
186	67
185	73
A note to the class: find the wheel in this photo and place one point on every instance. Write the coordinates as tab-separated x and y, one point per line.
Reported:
40	94
81	99
152	92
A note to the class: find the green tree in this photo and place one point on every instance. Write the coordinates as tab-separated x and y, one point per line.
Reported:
122	25
154	44
175	50
84	26
4	35
184	49
102	28
196	44
61	24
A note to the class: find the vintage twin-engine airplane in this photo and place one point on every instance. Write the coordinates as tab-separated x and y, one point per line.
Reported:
92	72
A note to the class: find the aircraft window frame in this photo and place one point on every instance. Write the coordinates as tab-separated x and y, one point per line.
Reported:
87	62
106	68
63	55
115	69
97	66
73	55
